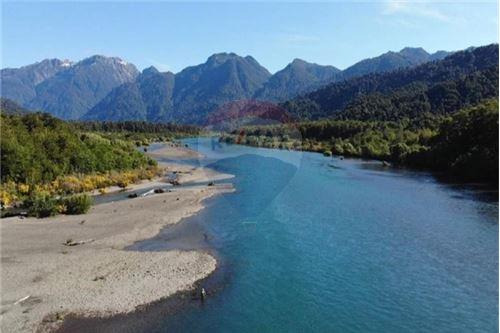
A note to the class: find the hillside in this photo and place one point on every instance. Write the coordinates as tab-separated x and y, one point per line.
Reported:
439	87
224	77
407	57
297	78
149	97
9	107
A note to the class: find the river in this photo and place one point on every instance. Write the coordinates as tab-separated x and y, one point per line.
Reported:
314	243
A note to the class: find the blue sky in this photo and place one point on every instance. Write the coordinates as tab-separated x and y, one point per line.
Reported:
173	35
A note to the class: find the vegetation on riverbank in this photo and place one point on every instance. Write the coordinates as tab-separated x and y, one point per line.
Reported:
38	148
140	132
464	144
44	205
340	137
12	192
45	161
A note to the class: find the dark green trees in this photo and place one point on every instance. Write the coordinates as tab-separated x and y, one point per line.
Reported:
466	145
38	148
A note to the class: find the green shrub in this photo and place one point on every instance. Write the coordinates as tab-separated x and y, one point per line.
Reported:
77	204
41	205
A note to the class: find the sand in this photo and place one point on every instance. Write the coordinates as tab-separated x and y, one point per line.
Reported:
42	280
187	174
171	151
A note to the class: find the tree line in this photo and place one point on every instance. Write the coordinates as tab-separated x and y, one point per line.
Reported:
47	161
463	144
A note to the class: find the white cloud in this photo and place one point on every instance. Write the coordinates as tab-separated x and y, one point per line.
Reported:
420	9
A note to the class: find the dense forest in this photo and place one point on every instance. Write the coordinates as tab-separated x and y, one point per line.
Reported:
137	127
46	161
38	148
438	87
140	132
340	137
464	144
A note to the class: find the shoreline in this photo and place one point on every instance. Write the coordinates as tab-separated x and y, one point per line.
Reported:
149	317
441	175
43	280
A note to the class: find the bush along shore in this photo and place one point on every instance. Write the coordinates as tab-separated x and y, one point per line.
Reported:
42	205
464	145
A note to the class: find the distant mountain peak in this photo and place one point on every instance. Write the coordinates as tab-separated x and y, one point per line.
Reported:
442	51
296	78
93	58
224	77
75	89
150	70
412	49
416	53
389	61
222	57
298	61
19	83
249	57
98	58
48	61
66	63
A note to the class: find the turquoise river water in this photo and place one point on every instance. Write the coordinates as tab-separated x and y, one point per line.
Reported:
314	243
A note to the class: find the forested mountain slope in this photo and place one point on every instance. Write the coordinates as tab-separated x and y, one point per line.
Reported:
439	87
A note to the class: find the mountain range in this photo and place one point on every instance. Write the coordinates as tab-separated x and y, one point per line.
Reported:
108	88
439	87
65	89
19	84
